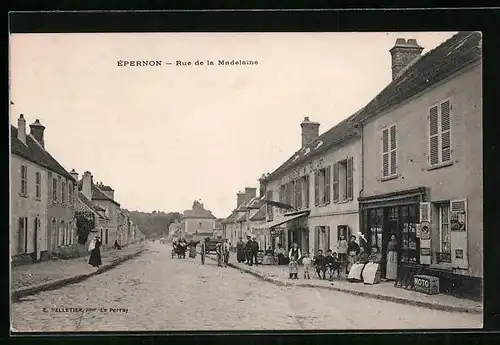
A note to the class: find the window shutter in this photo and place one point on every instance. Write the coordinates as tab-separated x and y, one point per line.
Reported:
300	185
307	190
458	234
336	182
327	245
445	132
20	244
328	176
350	191
433	136
385	152
393	151
316	187
316	239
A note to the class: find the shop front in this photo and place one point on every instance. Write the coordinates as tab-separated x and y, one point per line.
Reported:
395	214
298	232
287	230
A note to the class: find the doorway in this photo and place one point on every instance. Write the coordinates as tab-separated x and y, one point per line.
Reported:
35	239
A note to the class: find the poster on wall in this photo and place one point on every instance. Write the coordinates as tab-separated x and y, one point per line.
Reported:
425	230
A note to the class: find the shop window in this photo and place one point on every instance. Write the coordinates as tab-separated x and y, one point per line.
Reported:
409	244
375	225
444	254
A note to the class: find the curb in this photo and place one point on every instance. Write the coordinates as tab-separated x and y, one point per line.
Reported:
428	305
55	284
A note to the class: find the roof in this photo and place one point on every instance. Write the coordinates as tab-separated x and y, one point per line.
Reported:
204	214
335	135
242	218
34	152
98	194
93	207
443	61
106	188
231	218
259	215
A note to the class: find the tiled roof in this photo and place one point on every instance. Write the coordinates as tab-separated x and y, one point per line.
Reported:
106	188
33	152
242	218
231	218
259	215
95	208
198	213
335	135
448	58
97	194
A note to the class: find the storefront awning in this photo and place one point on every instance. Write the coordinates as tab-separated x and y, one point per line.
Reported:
286	219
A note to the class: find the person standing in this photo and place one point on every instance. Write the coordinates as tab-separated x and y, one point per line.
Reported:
342	248
248	250
95	252
226	252
254	252
295	251
240	251
392	259
353	251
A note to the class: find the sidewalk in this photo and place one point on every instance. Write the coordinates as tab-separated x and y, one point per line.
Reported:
46	275
385	290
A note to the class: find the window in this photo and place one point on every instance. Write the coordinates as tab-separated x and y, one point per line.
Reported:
70	193
298	192
61	233
343	180
306	191
389	163
63	192
269	207
24	180
322	186
444	254
38	185
439	134
322	239
54	190
23	235
200	225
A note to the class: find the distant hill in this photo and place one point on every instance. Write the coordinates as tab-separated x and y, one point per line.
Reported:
156	223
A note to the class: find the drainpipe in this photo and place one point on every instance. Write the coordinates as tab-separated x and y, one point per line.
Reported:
360	126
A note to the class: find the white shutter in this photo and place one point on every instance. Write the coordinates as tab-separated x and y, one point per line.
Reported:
445	132
433	136
458	234
393	148
425	244
385	153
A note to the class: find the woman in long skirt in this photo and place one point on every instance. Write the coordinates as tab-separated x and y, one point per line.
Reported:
392	259
352	252
95	253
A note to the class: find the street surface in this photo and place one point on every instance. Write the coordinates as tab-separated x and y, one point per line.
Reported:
155	292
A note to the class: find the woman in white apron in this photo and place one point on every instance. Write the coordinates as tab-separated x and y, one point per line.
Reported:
371	272
356	271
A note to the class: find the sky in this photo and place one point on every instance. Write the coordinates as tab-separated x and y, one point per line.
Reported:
165	136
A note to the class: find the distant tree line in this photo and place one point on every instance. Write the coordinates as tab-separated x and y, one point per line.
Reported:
155	223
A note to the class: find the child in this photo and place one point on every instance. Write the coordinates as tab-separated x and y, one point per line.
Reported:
307	262
342	248
293	267
336	266
320	264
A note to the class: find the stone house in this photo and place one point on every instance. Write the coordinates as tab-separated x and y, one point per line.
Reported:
233	226
422	153
42	197
197	222
319	183
104	199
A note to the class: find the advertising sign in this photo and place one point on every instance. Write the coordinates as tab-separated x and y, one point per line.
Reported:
426	284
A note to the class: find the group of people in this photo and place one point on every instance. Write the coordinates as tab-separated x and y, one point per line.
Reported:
321	264
247	252
223	252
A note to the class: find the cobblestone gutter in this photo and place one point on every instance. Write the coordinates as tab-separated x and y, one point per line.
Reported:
55	284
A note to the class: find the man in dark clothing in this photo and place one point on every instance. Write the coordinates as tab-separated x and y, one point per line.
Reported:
255	250
332	264
248	250
320	264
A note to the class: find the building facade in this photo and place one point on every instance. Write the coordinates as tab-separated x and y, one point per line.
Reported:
42	197
422	151
197	222
319	184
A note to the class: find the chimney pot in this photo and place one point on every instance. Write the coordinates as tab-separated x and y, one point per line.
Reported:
310	131
21	129
36	130
403	54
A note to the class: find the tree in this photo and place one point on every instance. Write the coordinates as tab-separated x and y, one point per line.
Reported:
85	222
